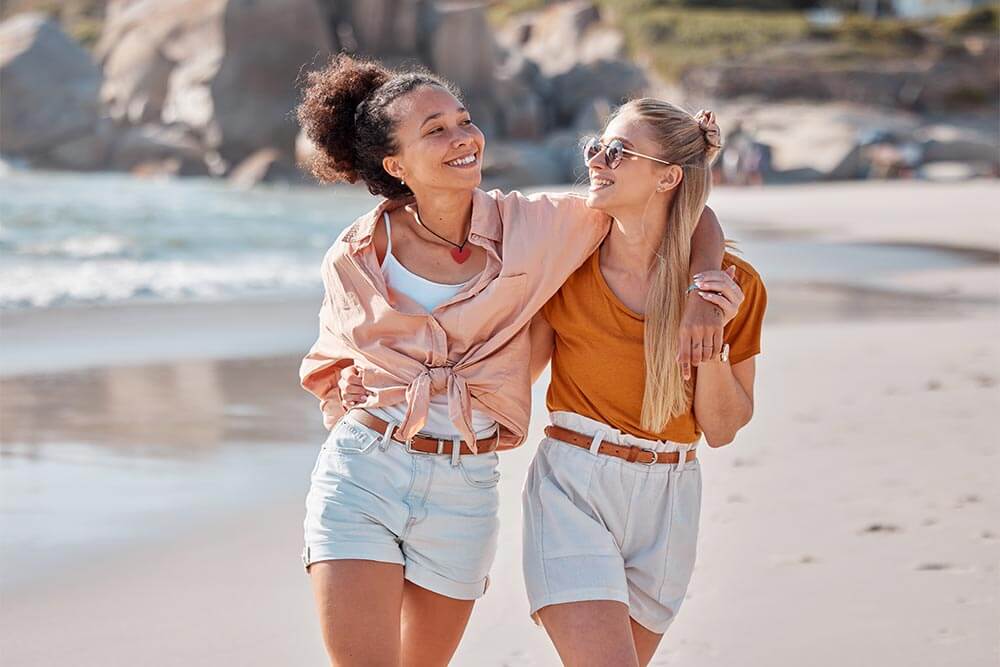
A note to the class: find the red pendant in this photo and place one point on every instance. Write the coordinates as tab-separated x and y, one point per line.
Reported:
461	254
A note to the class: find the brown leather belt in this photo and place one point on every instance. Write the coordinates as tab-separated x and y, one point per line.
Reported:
629	453
425	445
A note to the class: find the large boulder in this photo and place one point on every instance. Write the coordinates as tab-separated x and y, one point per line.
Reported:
518	163
266	165
462	48
224	69
135	148
614	80
521	92
389	29
563	36
948	143
138	54
86	152
50	87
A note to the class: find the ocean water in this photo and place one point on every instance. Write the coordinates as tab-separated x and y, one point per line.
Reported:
101	238
82	239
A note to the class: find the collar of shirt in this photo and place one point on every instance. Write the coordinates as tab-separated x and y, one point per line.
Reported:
486	223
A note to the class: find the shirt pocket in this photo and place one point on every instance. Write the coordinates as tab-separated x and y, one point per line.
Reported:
487	313
347	311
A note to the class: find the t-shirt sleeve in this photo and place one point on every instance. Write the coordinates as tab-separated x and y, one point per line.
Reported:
743	332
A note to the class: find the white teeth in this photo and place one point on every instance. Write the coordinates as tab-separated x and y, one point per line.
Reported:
600	181
461	162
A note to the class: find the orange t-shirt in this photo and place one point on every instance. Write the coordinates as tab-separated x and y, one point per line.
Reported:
598	363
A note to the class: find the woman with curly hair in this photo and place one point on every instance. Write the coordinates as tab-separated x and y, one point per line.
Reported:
612	498
428	301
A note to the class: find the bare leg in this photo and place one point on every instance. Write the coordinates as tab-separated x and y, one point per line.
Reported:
359	604
646	642
591	634
432	626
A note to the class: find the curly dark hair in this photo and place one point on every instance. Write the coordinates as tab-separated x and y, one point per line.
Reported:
344	112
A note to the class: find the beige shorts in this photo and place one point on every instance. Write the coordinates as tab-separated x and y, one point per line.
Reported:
597	527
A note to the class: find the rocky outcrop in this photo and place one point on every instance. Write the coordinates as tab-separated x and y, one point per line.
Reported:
264	166
209	86
564	36
50	102
563	70
212	67
142	147
462	49
954	80
838	141
393	29
614	80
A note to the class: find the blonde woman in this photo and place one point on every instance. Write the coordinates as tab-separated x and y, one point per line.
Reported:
611	502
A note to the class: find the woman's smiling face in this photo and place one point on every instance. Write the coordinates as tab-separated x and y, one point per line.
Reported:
439	146
635	179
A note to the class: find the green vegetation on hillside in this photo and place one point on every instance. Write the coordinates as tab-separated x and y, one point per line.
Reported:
81	19
672	35
672	38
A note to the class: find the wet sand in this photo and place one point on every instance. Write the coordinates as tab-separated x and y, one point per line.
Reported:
154	461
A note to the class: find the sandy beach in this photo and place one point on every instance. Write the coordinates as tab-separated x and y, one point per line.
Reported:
154	461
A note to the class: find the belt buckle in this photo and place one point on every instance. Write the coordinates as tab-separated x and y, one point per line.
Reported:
440	448
656	456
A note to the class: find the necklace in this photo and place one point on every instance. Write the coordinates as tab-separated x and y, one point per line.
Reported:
459	252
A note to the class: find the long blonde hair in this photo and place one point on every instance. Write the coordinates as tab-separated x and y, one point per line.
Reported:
693	143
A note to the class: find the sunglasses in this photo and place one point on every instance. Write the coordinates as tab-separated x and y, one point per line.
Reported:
614	152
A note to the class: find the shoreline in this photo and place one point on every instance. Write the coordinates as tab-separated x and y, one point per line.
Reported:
814	280
54	340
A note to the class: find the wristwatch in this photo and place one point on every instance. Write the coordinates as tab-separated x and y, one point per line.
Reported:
724	354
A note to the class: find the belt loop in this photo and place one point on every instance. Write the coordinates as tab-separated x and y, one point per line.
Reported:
384	441
595	444
682	452
456	449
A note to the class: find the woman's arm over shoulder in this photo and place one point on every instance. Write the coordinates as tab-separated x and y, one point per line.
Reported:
700	332
708	243
556	215
547	237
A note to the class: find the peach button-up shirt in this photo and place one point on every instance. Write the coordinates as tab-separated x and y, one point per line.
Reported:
474	347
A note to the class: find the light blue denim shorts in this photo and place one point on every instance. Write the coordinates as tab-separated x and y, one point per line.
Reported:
372	499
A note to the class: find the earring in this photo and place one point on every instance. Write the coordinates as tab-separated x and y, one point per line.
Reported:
402	182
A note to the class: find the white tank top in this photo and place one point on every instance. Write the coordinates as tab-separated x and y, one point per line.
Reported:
430	295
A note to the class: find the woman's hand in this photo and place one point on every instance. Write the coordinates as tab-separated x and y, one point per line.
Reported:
700	333
720	288
352	391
